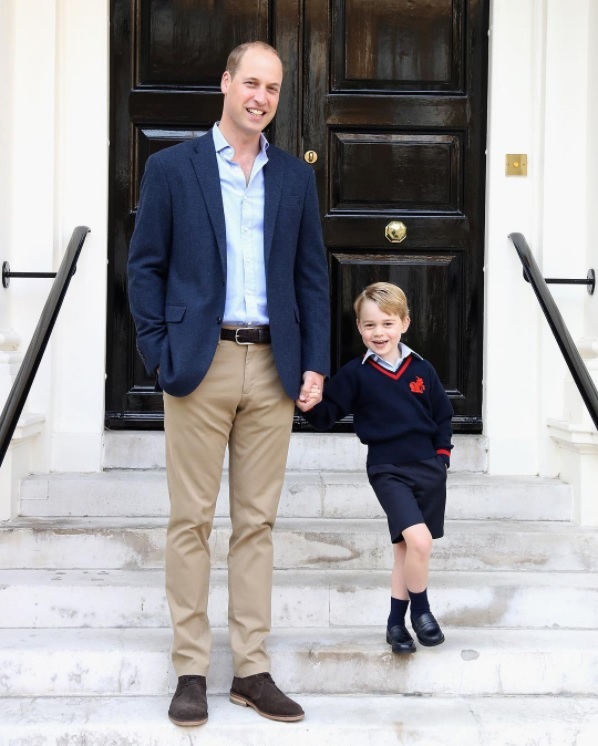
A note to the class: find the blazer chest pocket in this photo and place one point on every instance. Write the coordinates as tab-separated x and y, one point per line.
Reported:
174	314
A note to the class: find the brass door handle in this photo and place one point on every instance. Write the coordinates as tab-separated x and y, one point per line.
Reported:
396	231
310	156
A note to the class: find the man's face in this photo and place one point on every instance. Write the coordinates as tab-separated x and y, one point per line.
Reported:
251	96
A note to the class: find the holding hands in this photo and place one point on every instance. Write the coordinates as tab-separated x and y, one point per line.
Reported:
311	390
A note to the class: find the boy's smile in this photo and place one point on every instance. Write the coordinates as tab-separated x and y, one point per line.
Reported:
381	332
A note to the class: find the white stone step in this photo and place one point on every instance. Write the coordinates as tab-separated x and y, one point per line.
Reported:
113	543
300	599
137	449
309	494
334	721
472	662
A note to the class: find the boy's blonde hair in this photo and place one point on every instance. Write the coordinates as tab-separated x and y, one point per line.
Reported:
234	58
388	297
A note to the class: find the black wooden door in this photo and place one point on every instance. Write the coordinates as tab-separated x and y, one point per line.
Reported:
167	58
390	96
394	99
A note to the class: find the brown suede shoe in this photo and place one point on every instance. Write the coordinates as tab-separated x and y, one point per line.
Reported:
261	693
189	705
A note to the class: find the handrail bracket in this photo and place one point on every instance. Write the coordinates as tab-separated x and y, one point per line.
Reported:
7	274
589	281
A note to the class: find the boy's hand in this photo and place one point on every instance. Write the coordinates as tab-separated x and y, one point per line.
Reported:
314	396
311	390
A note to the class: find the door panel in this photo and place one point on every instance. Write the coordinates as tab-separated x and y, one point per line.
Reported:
397	119
396	45
412	172
391	96
186	42
428	281
167	57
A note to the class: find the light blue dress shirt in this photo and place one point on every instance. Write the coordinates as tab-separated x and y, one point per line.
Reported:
404	352
246	301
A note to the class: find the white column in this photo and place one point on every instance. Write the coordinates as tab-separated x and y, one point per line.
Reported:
511	399
81	184
574	431
9	341
27	52
590	303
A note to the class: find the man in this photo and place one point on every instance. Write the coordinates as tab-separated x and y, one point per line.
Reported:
228	288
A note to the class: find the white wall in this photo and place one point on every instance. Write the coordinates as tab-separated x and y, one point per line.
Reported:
591	205
7	53
81	182
511	401
569	142
54	149
539	98
8	339
574	431
32	182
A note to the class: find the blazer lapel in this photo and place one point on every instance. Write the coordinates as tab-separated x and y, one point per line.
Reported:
206	168
273	175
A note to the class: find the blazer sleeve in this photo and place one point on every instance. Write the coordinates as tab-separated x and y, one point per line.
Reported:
312	287
148	263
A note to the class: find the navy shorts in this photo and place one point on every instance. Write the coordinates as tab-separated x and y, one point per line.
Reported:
411	494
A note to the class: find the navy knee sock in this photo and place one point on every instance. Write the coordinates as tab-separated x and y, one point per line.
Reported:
419	603
398	609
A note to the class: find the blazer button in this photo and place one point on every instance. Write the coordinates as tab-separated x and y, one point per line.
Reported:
219	320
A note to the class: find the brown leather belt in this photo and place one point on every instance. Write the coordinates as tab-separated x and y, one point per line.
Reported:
247	335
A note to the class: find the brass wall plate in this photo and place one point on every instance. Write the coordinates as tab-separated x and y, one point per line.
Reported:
516	164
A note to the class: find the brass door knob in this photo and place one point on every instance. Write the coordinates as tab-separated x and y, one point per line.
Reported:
396	231
311	156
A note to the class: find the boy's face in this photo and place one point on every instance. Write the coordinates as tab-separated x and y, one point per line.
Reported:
380	331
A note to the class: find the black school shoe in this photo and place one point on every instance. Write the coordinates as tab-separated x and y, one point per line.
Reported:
189	705
399	639
427	629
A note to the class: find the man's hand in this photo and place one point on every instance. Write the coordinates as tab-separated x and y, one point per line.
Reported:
311	390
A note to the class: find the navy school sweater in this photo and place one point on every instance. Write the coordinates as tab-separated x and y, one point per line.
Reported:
402	417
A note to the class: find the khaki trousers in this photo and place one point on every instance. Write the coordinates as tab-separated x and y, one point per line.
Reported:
241	403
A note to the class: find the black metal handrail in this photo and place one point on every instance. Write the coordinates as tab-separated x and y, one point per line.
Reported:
22	383
574	361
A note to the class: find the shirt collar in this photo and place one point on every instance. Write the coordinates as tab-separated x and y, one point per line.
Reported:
221	144
404	352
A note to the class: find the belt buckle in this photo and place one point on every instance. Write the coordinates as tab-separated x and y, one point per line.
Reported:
240	329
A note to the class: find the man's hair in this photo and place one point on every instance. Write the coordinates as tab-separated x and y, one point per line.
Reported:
388	297
234	58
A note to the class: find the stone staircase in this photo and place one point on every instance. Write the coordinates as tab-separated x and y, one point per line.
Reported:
85	635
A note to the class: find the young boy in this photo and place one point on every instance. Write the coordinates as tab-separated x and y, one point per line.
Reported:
403	414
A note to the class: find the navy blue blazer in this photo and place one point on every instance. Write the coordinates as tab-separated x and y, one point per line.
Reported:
177	266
